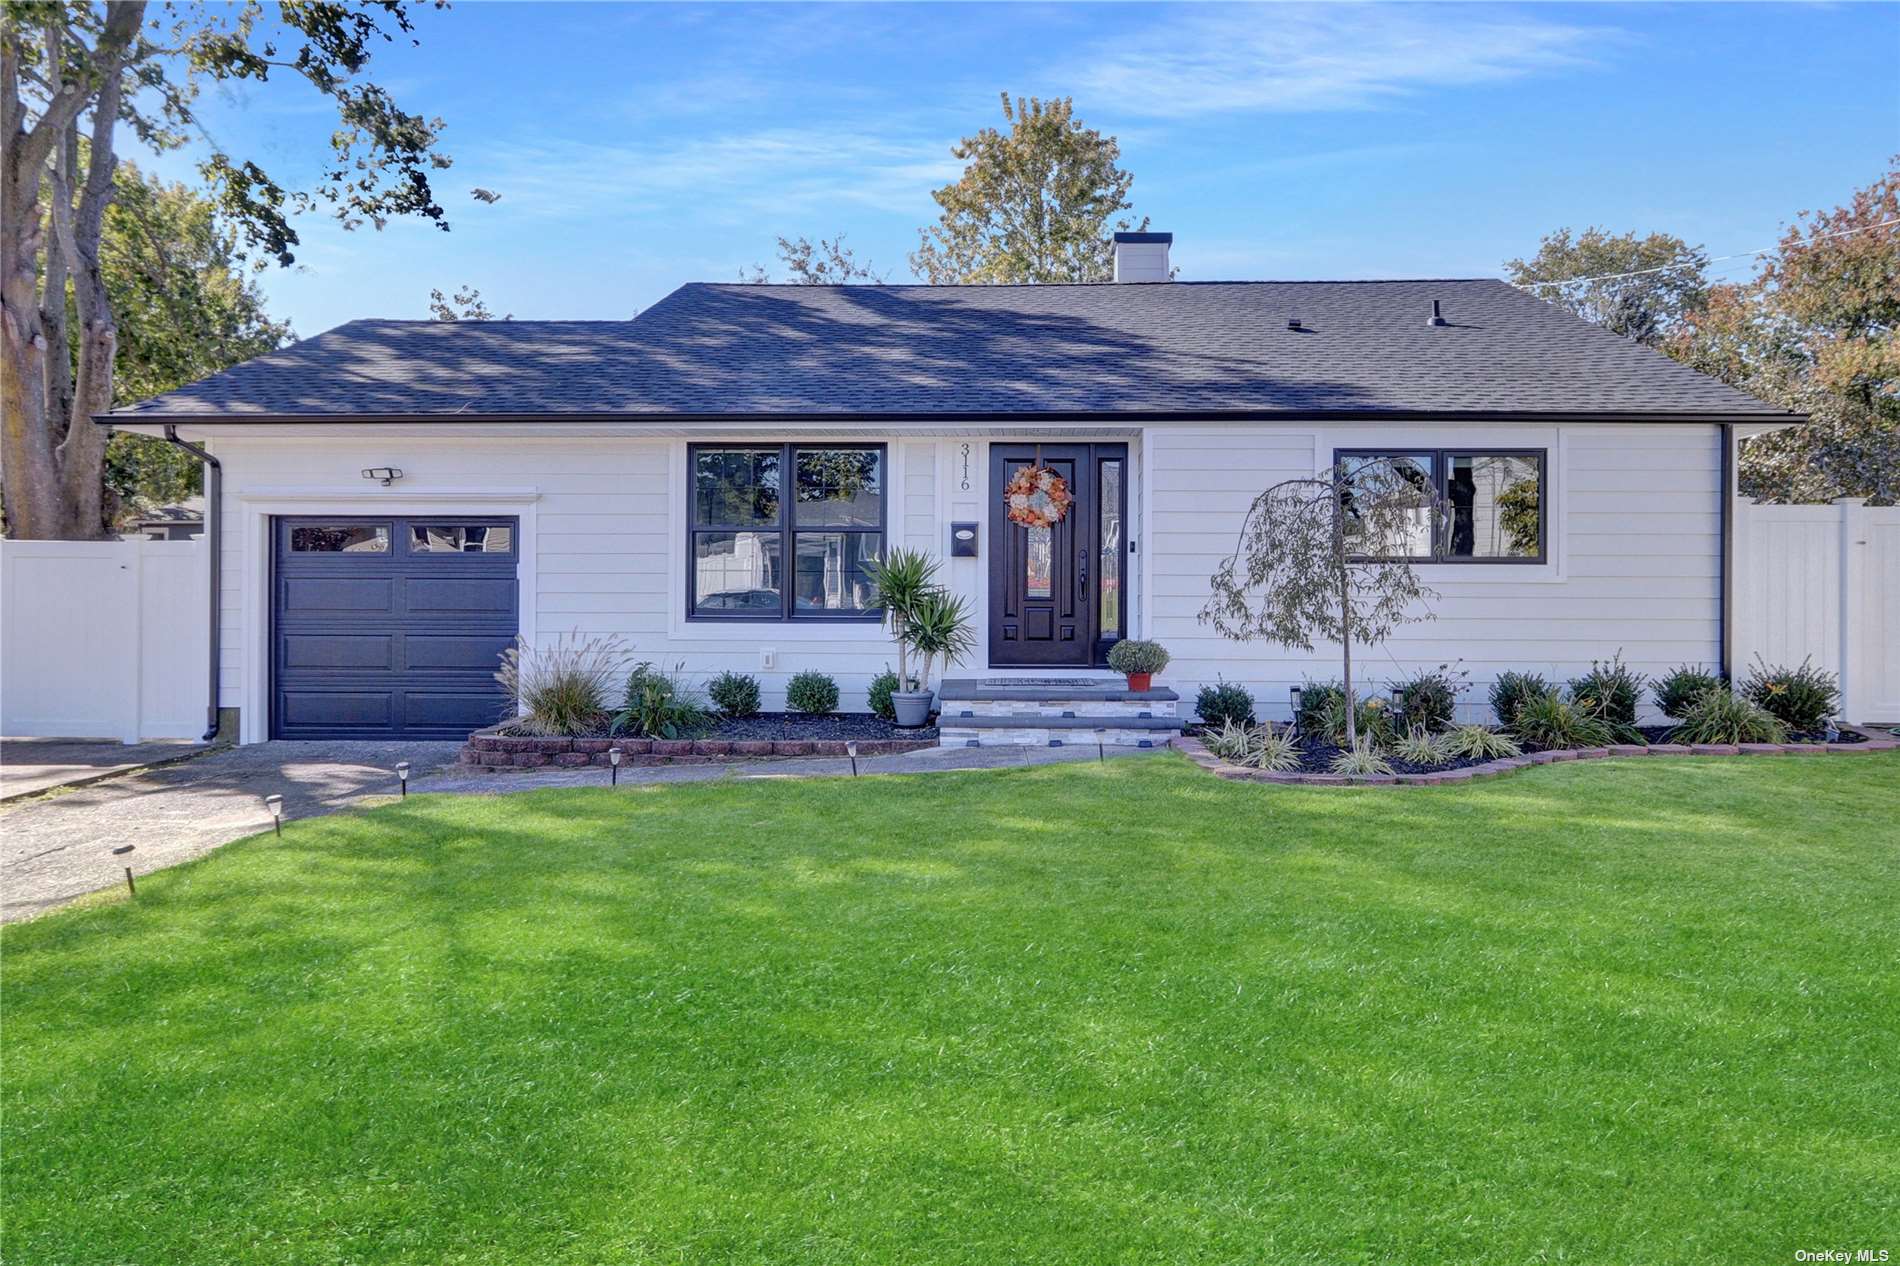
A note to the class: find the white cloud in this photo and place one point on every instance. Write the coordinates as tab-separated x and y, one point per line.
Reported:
1287	58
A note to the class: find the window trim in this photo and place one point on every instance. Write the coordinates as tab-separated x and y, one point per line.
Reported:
1440	473
786	529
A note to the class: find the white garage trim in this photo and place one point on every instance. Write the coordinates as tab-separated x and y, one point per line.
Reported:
257	506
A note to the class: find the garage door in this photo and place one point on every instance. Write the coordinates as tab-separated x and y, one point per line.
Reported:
388	628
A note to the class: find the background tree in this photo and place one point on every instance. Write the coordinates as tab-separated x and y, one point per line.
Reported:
1308	563
465	305
69	76
1815	332
1038	203
1648	307
826	263
187	308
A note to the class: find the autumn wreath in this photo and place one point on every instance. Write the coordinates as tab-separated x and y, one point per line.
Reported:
1037	497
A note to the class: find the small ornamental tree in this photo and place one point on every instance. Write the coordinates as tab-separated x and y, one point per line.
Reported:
1325	558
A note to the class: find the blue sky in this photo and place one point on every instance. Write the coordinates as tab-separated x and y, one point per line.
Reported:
637	147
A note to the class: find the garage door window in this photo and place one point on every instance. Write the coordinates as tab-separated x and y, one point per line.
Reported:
455	538
340	538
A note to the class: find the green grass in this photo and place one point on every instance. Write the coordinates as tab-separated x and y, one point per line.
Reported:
1610	1012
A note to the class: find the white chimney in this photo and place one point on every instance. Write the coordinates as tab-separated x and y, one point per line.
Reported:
1142	256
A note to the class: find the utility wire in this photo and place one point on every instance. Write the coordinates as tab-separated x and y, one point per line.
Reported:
1643	272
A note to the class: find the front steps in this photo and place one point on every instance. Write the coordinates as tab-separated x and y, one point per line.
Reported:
1054	712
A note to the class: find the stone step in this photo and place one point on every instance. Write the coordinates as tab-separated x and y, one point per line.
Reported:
1107	710
957	734
1078	689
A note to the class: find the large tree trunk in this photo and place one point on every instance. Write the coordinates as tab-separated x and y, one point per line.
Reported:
51	452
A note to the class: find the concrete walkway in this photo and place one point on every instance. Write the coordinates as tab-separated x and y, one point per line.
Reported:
29	766
60	847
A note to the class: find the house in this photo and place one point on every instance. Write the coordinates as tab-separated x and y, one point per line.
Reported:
400	499
180	522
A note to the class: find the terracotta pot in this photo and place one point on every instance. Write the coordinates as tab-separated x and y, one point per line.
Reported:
1140	681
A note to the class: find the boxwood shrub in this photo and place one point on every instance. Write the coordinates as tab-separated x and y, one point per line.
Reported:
1222	702
1511	691
735	694
812	691
1677	690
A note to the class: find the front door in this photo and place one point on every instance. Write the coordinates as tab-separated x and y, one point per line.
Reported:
1056	594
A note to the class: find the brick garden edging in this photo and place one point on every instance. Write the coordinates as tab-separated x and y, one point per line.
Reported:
1197	752
488	750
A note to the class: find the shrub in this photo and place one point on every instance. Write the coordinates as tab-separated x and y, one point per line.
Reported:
1553	722
1224	702
659	704
1720	716
735	694
1232	741
1420	747
1477	742
1511	690
1612	687
1677	690
1275	752
1317	698
882	687
562	687
812	691
1133	655
1374	720
1428	700
1362	760
1804	697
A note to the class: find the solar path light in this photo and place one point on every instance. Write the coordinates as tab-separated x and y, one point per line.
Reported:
122	851
614	756
851	750
402	772
276	806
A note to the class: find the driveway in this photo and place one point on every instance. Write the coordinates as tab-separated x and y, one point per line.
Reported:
31	765
60	847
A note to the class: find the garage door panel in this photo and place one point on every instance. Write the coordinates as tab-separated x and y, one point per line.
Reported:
472	652
461	596
391	644
355	594
458	712
339	651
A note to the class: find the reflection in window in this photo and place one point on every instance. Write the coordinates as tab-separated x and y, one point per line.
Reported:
1111	564
340	538
746	531
439	538
1493	504
1039	580
736	572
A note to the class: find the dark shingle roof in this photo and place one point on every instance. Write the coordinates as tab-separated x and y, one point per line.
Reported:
1172	347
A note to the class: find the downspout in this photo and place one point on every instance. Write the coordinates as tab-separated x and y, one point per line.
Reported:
214	541
1725	618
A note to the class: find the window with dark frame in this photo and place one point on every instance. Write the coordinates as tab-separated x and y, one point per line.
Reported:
784	531
1495	504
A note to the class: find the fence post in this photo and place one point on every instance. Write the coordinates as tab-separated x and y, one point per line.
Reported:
1853	563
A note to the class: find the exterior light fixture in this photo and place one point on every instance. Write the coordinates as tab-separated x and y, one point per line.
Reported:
122	851
1101	743
402	772
384	475
614	756
276	806
851	750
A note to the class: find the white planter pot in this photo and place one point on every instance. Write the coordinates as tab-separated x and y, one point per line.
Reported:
912	707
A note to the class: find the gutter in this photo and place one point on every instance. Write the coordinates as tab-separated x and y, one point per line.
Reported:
214	541
1725	615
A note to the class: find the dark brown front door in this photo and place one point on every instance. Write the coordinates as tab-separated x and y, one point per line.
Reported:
1056	593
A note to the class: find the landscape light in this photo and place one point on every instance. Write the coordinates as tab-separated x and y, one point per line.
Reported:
1101	741
613	760
276	806
851	750
402	772
121	851
1294	696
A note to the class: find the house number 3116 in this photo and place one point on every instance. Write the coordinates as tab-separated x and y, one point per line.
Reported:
964	483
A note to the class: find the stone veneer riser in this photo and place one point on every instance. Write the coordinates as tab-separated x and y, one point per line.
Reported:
952	735
1057	708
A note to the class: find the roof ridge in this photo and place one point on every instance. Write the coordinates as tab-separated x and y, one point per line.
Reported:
1089	285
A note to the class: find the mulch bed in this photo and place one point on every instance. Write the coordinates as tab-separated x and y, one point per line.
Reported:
768	736
803	725
1661	734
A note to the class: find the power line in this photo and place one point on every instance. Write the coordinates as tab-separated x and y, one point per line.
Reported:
1643	272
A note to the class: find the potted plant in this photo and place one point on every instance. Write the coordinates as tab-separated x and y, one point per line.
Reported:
1139	660
899	583
938	625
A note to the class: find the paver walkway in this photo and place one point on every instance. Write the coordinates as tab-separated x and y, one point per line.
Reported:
60	847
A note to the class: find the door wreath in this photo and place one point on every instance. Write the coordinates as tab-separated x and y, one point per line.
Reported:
1036	496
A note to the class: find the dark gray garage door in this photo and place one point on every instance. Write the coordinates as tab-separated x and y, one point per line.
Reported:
390	627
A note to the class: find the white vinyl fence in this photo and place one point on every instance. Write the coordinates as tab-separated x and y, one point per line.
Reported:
1823	582
103	639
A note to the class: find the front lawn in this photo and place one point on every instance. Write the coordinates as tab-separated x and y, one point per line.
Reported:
1623	1011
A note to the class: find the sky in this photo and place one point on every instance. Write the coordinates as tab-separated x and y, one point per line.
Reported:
640	146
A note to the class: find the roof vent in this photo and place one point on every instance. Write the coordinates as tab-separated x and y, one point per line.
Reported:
1437	317
1293	322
